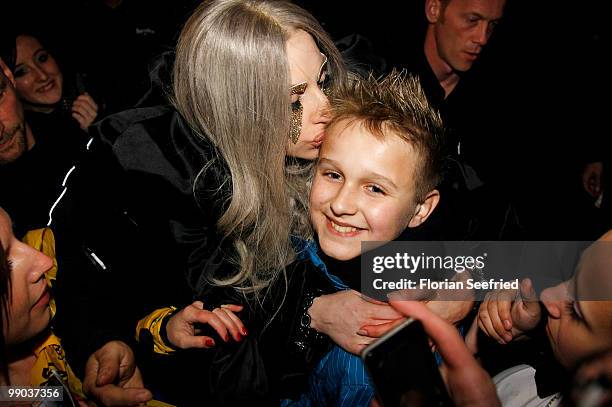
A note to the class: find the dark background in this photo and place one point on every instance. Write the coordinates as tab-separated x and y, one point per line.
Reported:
541	111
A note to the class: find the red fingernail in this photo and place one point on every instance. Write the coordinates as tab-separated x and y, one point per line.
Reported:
209	342
244	331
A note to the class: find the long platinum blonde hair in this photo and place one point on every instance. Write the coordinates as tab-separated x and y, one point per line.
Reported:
231	84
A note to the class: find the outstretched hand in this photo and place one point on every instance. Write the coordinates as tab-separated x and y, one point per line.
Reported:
468	384
182	332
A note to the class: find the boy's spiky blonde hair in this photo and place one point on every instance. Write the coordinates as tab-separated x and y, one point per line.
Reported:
395	104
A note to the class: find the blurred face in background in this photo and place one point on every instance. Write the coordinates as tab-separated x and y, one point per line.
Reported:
580	310
14	139
461	28
38	77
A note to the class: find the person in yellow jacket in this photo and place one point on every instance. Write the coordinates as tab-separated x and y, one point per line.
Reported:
30	353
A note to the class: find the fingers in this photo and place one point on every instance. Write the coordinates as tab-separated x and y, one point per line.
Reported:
414	295
451	311
381	312
529	299
112	364
84	110
231	322
591	178
193	341
449	343
195	314
223	320
528	294
494	316
376	331
106	367
111	395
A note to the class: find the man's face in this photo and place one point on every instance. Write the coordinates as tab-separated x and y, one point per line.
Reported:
462	28
13	141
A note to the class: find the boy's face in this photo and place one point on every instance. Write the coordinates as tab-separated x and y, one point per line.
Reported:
363	189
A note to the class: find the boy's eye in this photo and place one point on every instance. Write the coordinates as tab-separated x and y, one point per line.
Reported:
375	189
332	175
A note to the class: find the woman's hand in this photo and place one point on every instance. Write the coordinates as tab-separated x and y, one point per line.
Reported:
181	329
451	311
84	110
341	315
507	314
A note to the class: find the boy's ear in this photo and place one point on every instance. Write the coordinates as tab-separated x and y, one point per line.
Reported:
425	208
432	10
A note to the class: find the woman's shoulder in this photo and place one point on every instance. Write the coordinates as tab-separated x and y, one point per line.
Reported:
152	121
155	140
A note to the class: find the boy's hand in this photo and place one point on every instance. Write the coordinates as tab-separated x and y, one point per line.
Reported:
341	315
507	314
182	333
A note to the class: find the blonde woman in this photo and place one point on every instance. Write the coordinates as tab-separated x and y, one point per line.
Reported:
198	200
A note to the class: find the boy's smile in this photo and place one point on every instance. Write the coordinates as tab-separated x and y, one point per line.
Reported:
363	189
342	229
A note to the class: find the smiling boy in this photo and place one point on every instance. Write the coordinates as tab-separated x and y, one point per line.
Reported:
376	177
379	165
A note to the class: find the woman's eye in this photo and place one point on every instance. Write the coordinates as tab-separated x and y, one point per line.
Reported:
297	105
42	58
19	72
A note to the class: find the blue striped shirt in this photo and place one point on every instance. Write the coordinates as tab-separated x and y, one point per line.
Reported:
340	378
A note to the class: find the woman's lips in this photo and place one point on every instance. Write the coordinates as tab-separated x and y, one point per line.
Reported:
318	140
47	87
43	300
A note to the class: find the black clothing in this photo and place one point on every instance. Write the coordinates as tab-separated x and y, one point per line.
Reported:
144	216
32	183
128	207
475	194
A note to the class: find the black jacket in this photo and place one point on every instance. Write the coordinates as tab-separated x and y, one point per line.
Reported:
136	231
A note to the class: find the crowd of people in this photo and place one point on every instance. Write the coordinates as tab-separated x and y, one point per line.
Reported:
196	238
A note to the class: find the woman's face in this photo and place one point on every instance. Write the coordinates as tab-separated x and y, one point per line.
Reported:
579	310
29	300
308	73
39	79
